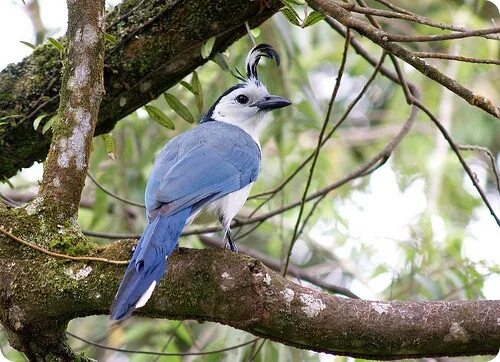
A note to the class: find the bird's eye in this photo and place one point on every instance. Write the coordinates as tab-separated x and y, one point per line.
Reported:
242	99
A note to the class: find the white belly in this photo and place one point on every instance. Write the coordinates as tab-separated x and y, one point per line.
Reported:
229	205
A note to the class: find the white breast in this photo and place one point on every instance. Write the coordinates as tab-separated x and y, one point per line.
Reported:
229	205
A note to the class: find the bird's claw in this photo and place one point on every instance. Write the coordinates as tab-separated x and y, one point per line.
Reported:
231	246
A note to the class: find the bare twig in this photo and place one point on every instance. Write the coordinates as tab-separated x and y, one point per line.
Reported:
426	38
488	154
380	38
456	150
123	350
318	146
310	214
414	100
394	7
360	50
63	256
114	195
257	350
411	17
111	236
459	58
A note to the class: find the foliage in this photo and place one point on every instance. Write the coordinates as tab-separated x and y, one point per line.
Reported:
408	231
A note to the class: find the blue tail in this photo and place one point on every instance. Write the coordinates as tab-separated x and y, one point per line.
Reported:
148	263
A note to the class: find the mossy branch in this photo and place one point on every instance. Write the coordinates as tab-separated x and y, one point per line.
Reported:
81	93
206	285
157	44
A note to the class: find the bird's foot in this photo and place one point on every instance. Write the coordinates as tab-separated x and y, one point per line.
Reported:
230	244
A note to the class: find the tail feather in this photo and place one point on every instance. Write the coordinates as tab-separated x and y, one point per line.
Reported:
148	263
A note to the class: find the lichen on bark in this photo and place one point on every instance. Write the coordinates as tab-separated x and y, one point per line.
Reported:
158	43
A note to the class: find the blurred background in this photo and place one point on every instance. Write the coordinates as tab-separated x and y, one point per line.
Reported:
415	229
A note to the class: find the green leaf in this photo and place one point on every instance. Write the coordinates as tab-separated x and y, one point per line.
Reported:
28	44
220	60
110	145
178	107
188	86
37	120
48	124
7	181
291	15
313	18
206	48
295	2
56	44
255	32
110	37
195	83
158	116
11	116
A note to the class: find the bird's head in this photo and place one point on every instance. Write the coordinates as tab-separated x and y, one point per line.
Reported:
246	104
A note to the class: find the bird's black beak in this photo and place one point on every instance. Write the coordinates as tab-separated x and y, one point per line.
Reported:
272	102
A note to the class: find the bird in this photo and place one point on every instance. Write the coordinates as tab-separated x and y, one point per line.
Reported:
211	166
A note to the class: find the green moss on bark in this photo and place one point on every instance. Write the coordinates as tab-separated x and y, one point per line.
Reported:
158	43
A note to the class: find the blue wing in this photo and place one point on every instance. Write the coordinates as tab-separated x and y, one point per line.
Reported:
200	166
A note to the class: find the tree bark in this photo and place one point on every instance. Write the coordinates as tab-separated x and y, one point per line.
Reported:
207	285
81	93
157	44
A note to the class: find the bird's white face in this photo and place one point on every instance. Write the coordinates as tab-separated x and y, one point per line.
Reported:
246	106
238	106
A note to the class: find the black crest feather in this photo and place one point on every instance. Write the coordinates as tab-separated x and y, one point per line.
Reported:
253	57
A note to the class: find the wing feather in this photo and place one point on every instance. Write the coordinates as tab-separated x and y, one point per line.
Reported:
200	166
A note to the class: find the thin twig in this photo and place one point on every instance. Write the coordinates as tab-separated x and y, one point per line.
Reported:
250	230
310	214
380	38
413	18
324	140
160	353
459	58
346	113
170	338
489	154
63	256
456	150
443	130
126	201
111	236
440	37
360	50
257	351
318	146
394	7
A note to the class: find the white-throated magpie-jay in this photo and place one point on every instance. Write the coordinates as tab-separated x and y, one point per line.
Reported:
213	165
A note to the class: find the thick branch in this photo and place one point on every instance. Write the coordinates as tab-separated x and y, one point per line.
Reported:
158	43
81	94
209	284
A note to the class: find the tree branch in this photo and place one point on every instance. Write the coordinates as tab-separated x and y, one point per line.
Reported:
156	47
381	38
417	19
81	92
206	285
